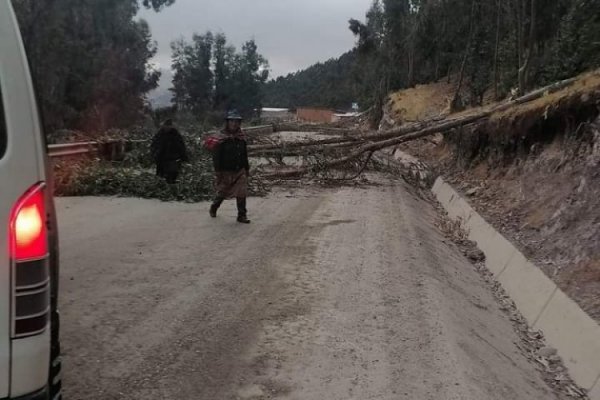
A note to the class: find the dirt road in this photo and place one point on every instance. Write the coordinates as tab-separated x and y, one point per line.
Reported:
346	293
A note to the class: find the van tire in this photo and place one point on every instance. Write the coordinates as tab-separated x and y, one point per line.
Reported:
55	373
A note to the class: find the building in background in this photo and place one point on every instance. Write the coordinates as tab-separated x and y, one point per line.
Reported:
315	115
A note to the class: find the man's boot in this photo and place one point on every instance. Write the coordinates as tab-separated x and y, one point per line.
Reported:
215	206
242	211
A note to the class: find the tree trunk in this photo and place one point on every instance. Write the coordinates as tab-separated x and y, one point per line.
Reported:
519	34
411	67
497	46
455	105
532	40
439	46
524	68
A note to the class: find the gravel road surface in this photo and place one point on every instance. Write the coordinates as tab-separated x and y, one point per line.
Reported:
340	293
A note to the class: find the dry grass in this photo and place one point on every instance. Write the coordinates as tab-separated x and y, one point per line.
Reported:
429	101
584	90
421	102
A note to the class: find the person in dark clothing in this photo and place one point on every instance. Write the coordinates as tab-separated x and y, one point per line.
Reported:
230	160
168	150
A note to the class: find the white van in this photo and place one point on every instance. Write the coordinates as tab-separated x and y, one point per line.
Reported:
29	344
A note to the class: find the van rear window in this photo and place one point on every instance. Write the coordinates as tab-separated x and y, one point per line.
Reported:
3	135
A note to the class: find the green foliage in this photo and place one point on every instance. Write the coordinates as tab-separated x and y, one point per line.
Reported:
250	72
136	175
577	44
224	59
210	76
193	79
104	179
89	60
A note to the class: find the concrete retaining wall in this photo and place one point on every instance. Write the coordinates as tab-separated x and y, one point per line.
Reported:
574	334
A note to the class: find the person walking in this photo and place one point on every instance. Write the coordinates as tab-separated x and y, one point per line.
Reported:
169	151
230	160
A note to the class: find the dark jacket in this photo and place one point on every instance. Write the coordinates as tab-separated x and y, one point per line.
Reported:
168	145
231	155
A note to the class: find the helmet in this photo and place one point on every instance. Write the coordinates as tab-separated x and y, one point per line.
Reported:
233	115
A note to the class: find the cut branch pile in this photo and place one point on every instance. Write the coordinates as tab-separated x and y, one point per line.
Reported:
350	145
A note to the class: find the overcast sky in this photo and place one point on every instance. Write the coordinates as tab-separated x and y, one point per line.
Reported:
291	34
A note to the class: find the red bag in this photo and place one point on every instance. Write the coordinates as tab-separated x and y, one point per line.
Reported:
211	142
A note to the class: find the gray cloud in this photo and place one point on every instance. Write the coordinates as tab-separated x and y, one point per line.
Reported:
291	34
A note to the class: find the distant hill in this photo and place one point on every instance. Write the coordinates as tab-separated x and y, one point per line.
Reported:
329	84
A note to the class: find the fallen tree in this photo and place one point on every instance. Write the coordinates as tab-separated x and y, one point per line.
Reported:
358	136
582	90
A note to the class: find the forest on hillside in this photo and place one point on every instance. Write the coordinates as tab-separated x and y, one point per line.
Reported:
91	59
488	47
332	83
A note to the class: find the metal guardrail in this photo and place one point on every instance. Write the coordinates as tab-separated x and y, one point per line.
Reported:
251	129
78	148
71	149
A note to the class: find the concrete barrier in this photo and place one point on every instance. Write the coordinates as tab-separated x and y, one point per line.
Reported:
595	392
574	334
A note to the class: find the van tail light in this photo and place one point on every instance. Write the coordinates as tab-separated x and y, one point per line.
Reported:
28	241
28	226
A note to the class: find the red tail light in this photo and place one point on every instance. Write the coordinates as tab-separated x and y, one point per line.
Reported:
28	233
30	269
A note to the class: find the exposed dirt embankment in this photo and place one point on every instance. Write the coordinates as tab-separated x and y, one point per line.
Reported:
419	103
534	173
